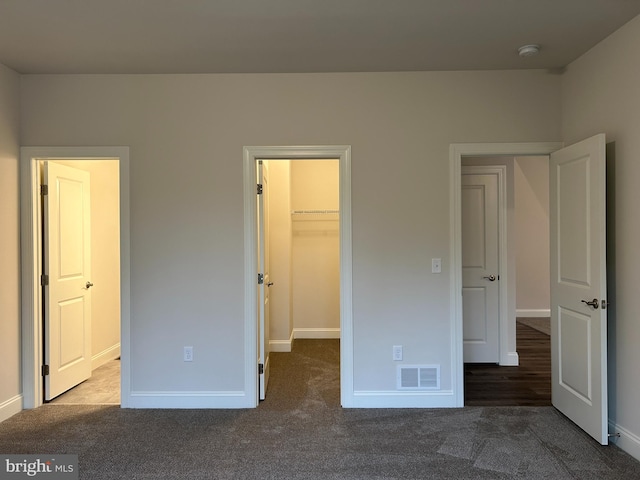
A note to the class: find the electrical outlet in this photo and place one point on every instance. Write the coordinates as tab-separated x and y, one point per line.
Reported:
188	354
397	352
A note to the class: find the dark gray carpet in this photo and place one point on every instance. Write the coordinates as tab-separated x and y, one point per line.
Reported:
300	432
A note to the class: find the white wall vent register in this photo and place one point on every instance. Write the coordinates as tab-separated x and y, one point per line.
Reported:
418	377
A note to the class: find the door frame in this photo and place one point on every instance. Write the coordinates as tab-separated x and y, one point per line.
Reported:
456	152
31	263
251	154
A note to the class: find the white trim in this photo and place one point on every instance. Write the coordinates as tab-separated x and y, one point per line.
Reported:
509	359
629	442
105	356
403	399
187	399
316	333
31	268
10	407
533	313
251	155
456	152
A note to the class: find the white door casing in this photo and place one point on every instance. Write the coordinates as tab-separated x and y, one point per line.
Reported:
456	153
312	152
482	205
264	280
67	264
577	191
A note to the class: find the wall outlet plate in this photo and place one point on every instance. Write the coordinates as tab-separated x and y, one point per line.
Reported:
188	354
397	352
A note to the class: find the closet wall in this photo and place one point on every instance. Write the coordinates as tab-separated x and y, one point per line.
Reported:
305	251
315	248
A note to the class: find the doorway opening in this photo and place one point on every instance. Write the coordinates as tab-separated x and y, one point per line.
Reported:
505	263
298	219
305	222
105	295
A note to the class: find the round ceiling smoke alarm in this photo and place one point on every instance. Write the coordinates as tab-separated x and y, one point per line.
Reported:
529	50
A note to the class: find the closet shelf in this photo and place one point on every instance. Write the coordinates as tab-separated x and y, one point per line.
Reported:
314	215
312	212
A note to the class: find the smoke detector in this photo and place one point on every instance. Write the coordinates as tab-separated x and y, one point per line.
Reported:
529	50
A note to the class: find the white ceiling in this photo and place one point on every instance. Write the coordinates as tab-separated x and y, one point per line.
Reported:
233	36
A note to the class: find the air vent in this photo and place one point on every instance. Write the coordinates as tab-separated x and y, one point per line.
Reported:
418	377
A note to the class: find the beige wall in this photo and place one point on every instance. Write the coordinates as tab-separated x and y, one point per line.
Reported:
105	257
600	93
280	254
316	249
186	134
531	188
10	381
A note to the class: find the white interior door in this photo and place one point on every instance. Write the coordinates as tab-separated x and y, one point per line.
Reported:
578	275
480	265
264	283
67	263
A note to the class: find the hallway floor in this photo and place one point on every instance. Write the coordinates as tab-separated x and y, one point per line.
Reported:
102	388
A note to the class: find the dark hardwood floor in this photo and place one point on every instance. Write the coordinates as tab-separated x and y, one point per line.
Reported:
528	384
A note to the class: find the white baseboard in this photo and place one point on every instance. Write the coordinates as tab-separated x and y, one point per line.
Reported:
182	399
396	399
533	313
10	407
316	333
511	360
281	345
105	356
627	441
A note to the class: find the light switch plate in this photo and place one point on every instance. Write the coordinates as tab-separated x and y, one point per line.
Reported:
436	265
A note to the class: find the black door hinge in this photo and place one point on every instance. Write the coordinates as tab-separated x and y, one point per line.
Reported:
259	189
44	189
44	280
45	370
260	368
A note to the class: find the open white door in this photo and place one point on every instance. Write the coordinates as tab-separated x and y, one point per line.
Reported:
67	264
578	285
263	278
480	265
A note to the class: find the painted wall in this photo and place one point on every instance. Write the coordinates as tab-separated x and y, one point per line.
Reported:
600	93
316	249
531	189
186	134
281	314
105	257
10	380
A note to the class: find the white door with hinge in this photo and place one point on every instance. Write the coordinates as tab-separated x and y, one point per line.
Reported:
480	197
67	264
578	284
264	282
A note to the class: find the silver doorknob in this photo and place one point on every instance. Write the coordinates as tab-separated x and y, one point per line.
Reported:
593	303
491	278
88	285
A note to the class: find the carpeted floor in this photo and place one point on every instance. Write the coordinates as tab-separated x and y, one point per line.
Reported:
300	432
